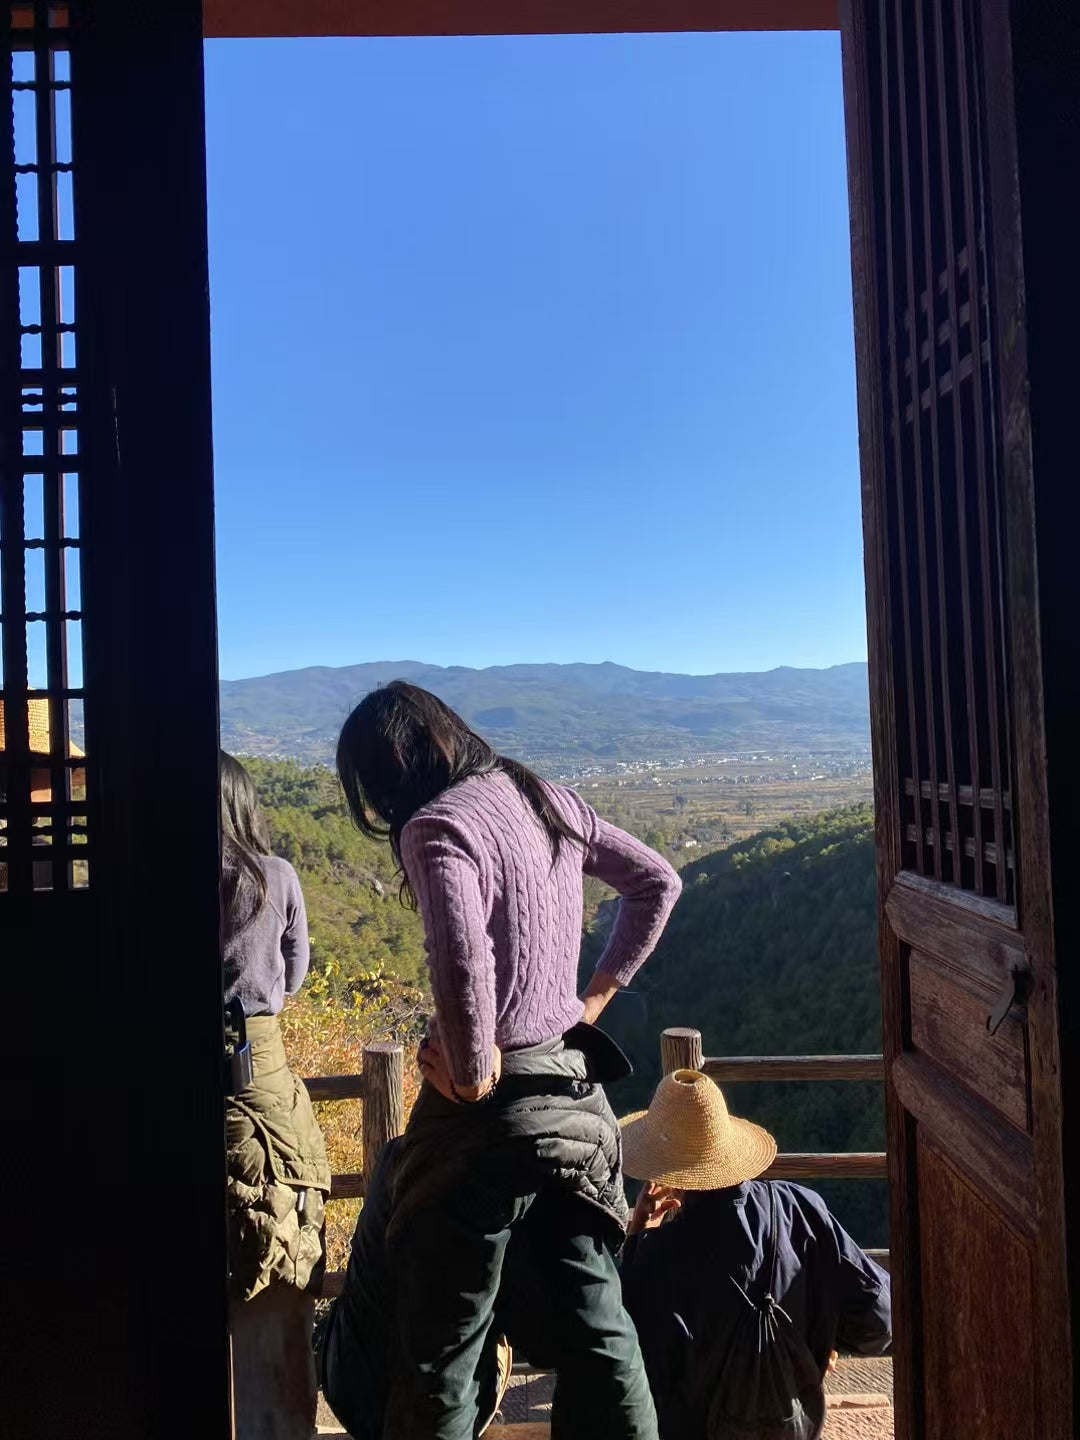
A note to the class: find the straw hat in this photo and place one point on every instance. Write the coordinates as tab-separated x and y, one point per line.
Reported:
687	1139
38	717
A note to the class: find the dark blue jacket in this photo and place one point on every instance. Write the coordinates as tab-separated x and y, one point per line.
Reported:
676	1286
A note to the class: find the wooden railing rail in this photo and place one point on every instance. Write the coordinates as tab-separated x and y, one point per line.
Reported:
348	1187
828	1165
335	1087
733	1069
680	1049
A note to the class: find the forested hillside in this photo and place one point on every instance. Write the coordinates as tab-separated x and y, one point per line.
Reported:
364	943
772	944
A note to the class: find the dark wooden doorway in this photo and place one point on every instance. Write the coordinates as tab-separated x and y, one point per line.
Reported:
963	142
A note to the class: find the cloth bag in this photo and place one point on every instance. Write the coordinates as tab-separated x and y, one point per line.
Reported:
768	1386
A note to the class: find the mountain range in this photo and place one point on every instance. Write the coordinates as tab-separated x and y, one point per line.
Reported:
566	715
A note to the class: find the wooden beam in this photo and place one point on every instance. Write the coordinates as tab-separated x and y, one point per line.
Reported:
731	1069
846	1165
335	1087
347	1187
233	19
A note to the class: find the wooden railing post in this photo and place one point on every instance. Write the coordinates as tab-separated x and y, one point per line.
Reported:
680	1050
384	1101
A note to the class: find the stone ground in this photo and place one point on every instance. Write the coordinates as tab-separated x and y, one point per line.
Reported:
858	1376
857	1388
860	1405
859	1417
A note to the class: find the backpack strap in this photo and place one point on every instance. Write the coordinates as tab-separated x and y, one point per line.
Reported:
772	1261
774	1244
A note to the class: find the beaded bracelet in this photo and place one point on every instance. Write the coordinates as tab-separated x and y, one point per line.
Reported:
480	1099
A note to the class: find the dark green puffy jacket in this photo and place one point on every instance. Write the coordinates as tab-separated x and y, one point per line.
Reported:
278	1173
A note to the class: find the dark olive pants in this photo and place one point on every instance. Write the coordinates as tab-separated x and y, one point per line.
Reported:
536	1269
409	1349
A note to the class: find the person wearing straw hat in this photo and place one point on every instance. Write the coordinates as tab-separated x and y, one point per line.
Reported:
705	1218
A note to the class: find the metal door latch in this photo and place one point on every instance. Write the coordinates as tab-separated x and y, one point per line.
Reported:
1015	991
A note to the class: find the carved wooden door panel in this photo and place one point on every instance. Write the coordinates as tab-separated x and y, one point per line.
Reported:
969	1000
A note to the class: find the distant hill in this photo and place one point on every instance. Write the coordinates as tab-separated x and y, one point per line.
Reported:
566	714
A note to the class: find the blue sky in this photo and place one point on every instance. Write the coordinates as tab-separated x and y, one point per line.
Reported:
533	349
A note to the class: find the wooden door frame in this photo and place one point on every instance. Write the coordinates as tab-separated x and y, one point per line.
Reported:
1041	65
899	1138
1041	297
1030	329
184	1394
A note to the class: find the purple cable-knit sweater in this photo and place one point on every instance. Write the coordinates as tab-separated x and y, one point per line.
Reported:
502	925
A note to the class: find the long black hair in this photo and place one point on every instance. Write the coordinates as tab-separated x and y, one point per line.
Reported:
244	838
402	746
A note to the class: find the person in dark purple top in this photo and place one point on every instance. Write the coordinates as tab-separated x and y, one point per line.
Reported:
511	1132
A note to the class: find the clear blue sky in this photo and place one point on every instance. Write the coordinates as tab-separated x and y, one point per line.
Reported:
533	349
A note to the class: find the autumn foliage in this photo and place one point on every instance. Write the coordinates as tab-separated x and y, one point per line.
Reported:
325	1035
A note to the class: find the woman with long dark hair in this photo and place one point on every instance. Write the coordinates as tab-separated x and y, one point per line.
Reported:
512	1136
278	1176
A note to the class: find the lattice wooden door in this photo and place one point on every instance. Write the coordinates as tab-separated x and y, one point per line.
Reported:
971	1022
109	912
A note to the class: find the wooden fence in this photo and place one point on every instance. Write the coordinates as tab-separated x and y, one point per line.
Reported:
381	1088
